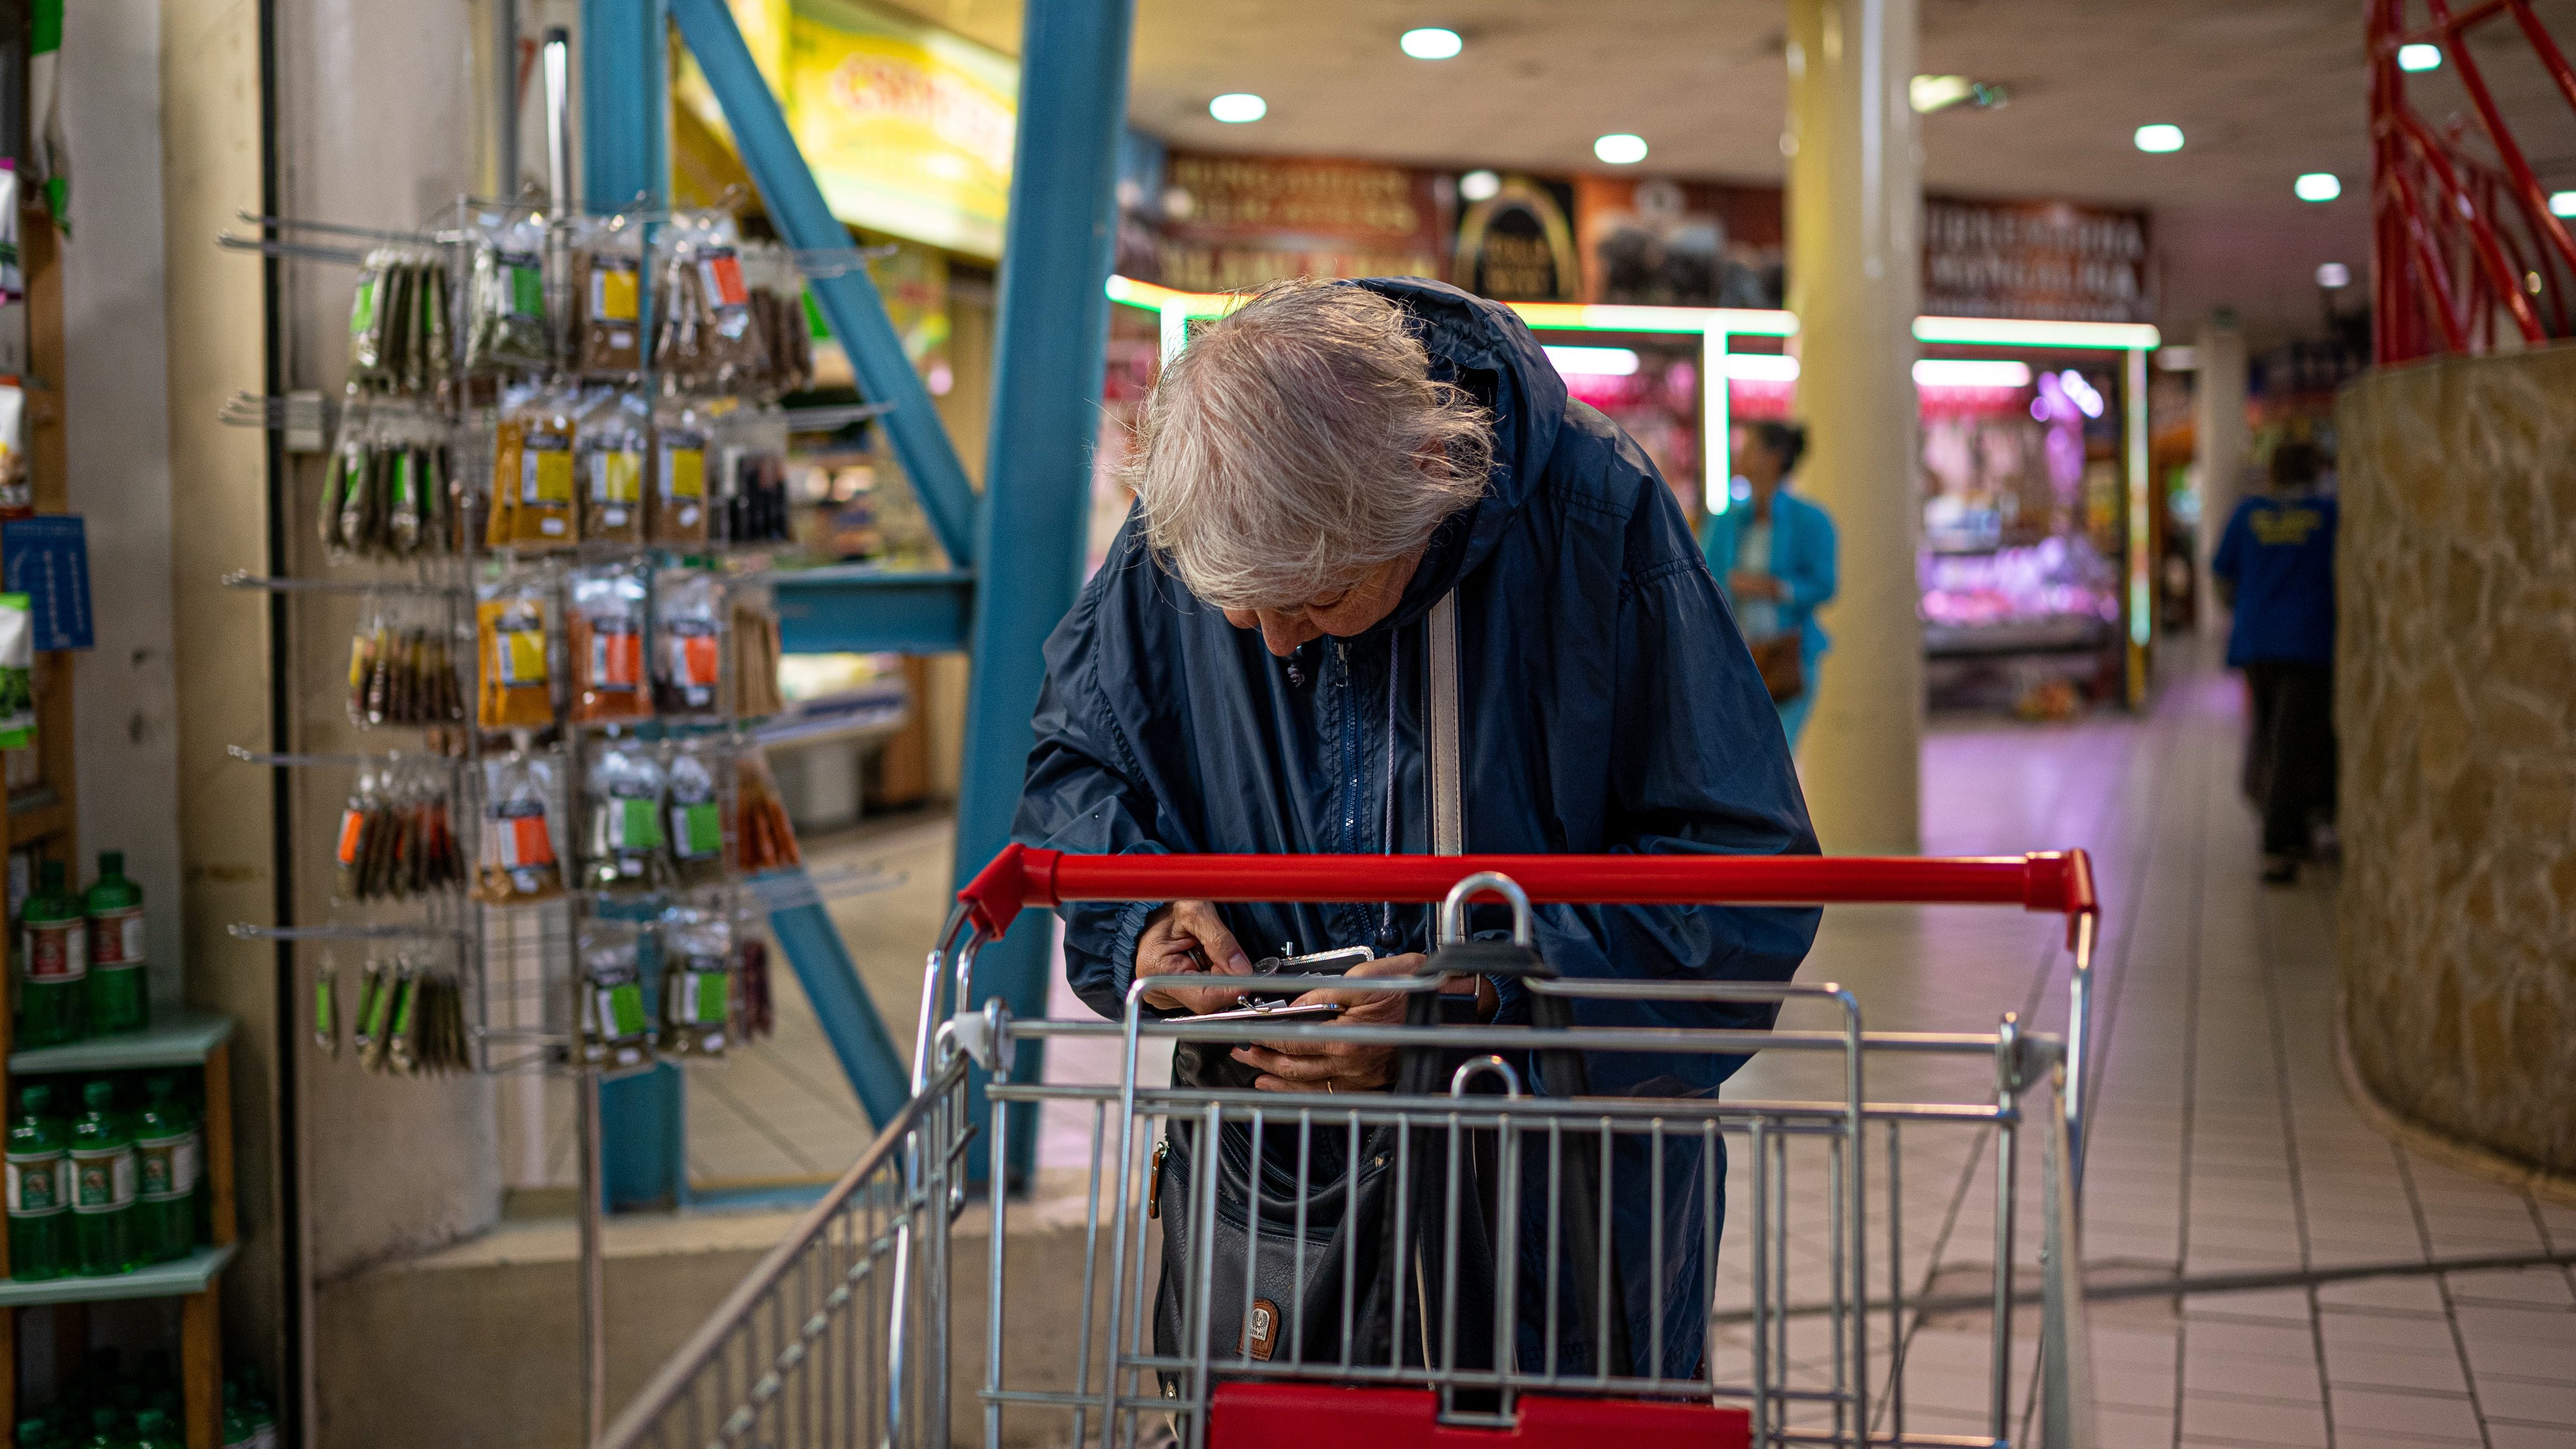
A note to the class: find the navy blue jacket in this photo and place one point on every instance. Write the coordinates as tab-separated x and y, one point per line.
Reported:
1609	705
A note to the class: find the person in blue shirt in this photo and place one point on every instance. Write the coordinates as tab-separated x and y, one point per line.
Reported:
1775	556
2275	566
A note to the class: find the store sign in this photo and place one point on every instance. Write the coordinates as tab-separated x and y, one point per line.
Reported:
1517	246
908	128
1231	223
2040	259
1657	242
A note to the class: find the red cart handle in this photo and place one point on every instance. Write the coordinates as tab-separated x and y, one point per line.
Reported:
2058	881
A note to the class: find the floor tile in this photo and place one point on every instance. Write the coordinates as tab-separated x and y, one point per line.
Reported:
2433	1368
2530	1402
2429	1416
2254	1421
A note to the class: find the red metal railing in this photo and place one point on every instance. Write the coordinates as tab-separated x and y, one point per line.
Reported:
2461	244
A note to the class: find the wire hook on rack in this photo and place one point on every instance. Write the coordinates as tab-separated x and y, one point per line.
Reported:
247	931
245	579
389	757
333	228
303	251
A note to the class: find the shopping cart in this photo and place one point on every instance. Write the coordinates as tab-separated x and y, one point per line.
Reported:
866	1325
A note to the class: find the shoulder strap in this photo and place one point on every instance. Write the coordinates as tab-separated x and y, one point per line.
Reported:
1441	724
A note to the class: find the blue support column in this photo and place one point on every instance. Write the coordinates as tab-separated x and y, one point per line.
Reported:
849	300
1046	406
626	164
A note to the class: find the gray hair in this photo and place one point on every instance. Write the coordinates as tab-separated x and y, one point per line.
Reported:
1299	442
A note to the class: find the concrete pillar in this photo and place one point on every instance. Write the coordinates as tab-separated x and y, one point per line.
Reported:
1855	261
2221	438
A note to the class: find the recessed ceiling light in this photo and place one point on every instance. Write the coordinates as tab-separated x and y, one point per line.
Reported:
1970	372
2419	56
1620	149
2318	186
1431	43
1237	107
1930	93
1480	185
2333	275
2562	203
1761	367
2159	138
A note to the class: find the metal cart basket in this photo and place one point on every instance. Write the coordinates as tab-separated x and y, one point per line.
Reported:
1501	1230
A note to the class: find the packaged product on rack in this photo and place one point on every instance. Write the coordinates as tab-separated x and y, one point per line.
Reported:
697	982
17	488
679	502
326	1006
755	656
607	622
17	672
398	323
372	310
616	1029
401	668
708	336
616	431
786	332
385	493
513	644
764	840
532	470
625	849
519	863
688	654
758	1017
754	482
697	814
424	1025
506	305
39	1175
396	838
608	276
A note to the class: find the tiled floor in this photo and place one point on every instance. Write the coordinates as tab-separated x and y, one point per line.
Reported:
2310	1285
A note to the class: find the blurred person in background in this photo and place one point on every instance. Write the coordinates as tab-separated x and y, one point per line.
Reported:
2275	567
1775	556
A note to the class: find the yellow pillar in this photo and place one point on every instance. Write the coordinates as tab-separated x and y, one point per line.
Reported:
1855	258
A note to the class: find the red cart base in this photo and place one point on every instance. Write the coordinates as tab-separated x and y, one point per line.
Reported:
1303	1416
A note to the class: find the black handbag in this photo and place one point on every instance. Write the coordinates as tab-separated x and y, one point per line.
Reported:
1355	1250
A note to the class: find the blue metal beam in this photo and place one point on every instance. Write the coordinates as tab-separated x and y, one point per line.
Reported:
812	944
849	300
862	611
626	163
1053	333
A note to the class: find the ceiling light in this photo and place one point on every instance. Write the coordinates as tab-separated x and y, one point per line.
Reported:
1620	149
2317	186
1237	107
1932	92
2562	203
2333	275
2419	56
1593	361
1431	43
1970	372
1761	367
2088	399
1480	185
2159	138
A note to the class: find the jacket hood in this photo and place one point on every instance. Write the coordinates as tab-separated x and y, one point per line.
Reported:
1484	347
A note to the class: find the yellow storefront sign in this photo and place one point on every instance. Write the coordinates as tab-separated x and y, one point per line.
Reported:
908	128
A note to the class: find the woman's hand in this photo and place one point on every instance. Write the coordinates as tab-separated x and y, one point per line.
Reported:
1187	936
1338	1066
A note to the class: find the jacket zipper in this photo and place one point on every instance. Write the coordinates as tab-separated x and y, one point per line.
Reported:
1352	784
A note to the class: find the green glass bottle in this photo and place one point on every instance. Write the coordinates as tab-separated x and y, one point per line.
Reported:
32	1433
104	1430
152	1431
166	1153
39	1171
103	1186
53	957
120	993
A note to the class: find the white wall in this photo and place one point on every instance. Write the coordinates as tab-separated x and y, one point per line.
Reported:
117	410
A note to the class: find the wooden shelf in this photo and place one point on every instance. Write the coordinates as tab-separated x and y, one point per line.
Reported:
191	1274
183	1037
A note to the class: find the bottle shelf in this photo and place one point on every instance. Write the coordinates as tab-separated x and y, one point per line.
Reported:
177	1279
180	1038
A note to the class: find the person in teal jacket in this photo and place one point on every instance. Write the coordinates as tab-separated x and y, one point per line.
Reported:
1774	554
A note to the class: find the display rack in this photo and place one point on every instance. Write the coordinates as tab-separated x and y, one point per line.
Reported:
530	1004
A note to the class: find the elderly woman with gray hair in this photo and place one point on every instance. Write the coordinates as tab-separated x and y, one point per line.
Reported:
1325	477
